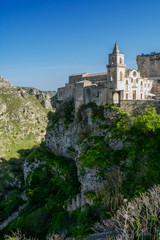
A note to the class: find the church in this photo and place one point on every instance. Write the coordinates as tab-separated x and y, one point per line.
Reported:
112	87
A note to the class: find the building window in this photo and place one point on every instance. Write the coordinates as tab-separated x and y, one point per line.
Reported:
134	74
127	82
111	76
97	94
112	60
115	98
131	80
148	85
141	96
121	76
120	60
134	94
126	88
126	96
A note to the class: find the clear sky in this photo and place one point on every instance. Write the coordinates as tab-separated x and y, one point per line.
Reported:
42	42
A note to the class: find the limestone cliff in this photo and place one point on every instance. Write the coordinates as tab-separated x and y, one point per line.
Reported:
46	98
90	164
23	121
4	83
67	137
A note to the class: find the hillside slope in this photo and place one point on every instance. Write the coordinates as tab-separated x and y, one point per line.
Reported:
91	165
23	122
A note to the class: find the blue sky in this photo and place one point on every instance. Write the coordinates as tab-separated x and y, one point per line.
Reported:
42	42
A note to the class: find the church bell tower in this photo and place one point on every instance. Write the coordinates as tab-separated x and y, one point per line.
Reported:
116	68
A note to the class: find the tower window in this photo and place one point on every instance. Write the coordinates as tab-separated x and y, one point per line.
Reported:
134	74
120	60
121	76
111	76
112	60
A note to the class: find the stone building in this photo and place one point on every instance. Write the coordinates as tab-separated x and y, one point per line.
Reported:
109	88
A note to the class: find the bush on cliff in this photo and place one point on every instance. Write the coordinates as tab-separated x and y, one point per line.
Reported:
139	157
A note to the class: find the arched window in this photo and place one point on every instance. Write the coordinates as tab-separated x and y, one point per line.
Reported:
112	60
111	76
120	60
121	76
88	95
127	86
115	98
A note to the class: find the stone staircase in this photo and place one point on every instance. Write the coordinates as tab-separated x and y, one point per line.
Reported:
78	202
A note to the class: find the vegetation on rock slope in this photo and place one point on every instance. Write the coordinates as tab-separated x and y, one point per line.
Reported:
128	171
23	122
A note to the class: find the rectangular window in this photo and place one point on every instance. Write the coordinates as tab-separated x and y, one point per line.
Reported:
126	96
141	96
126	88
134	94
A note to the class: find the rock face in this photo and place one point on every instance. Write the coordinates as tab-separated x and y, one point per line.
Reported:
23	121
4	83
149	65
46	98
69	141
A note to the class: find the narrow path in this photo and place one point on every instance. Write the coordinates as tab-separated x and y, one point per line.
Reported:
12	217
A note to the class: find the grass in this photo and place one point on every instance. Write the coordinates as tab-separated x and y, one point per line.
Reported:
22	124
51	186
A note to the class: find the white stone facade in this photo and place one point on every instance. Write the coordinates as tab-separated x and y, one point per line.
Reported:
108	88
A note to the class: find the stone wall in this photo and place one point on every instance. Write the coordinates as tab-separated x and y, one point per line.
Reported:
88	76
149	65
138	106
156	88
95	94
